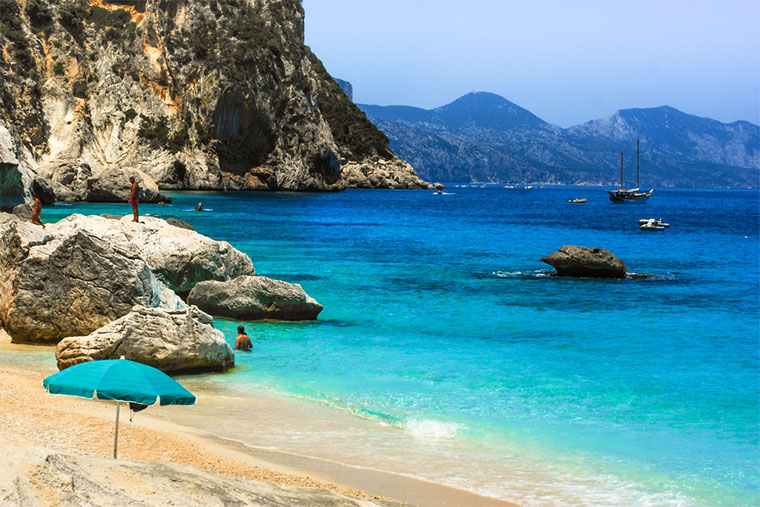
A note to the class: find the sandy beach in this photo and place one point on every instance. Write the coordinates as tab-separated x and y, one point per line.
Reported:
73	426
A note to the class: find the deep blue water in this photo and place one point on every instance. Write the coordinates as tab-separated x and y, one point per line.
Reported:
437	311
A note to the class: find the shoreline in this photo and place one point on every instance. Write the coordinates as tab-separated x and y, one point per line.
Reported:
85	428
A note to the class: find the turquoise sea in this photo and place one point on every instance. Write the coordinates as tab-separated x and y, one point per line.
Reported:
445	352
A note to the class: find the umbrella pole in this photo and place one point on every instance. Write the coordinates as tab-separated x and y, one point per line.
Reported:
116	432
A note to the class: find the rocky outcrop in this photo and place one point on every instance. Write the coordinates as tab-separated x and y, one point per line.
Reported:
74	182
179	341
381	173
57	285
23	211
255	298
112	185
195	94
179	223
347	88
11	186
179	257
35	476
69	179
582	261
83	272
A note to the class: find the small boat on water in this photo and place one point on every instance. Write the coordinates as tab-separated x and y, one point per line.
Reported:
629	195
528	187
659	222
653	225
576	200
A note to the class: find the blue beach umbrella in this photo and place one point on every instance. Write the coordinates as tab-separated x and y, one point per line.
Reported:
119	380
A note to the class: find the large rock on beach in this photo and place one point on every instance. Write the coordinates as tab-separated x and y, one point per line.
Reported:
112	185
179	257
582	261
69	178
53	286
255	298
36	476
23	211
179	341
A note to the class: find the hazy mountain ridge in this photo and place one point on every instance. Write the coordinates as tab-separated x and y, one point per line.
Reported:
484	137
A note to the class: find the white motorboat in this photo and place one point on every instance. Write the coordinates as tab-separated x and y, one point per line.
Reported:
659	222
653	225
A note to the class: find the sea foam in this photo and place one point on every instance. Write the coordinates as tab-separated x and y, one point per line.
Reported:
427	428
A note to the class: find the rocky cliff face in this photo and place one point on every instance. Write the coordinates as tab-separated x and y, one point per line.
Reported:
201	94
347	88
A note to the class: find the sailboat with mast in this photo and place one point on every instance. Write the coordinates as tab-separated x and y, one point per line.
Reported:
629	195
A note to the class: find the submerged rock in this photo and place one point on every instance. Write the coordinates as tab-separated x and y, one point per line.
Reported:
53	286
179	341
584	261
255	298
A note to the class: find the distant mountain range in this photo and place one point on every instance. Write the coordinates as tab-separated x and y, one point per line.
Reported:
484	137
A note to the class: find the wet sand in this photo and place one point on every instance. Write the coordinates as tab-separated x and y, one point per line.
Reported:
32	417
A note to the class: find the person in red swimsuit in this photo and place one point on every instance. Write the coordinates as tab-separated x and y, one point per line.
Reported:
134	198
37	212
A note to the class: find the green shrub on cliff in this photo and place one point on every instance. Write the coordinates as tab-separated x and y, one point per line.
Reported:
13	30
177	141
102	18
38	12
156	132
71	16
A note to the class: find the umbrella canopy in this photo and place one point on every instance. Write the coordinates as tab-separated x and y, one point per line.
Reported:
119	380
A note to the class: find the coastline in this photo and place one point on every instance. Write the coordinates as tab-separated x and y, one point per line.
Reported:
82	427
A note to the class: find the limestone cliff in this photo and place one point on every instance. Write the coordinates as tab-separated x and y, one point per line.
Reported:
201	94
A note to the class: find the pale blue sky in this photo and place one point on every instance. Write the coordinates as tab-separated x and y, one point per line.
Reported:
566	61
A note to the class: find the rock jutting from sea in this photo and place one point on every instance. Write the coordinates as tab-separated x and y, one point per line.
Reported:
254	298
184	95
582	261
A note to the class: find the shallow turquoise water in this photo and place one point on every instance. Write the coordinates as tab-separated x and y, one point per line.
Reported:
438	320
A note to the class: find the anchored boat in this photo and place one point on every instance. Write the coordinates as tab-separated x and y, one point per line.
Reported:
653	225
658	222
633	194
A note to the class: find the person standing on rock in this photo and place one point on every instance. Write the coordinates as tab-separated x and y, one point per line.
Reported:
243	342
134	198
37	212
